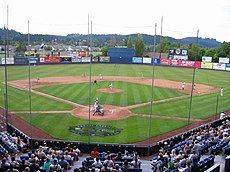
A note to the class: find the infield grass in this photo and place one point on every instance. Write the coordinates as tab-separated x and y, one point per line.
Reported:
132	93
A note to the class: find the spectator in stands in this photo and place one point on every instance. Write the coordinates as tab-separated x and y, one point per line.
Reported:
94	169
23	165
109	162
88	163
118	157
170	164
27	169
187	148
127	156
55	166
105	168
173	154
135	155
64	164
103	155
83	167
68	158
136	163
94	153
5	165
32	158
20	144
13	162
45	148
187	168
97	163
117	168
34	166
14	138
196	147
77	151
47	164
41	154
193	156
73	154
12	169
126	164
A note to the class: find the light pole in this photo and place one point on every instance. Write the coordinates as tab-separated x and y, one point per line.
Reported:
193	80
90	80
152	94
30	102
217	103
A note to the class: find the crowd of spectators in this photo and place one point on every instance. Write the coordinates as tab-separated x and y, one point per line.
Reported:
172	157
184	157
110	162
40	158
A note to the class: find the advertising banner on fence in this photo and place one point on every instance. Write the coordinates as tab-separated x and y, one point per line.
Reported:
33	60
188	63
206	59
137	60
219	66
56	59
81	53
66	59
157	61
85	59
45	59
227	67
8	61
174	62
164	61
76	59
20	61
104	59
148	60
223	60
95	59
206	65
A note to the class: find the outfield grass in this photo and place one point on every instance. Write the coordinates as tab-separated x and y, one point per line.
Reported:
132	93
18	100
202	107
133	128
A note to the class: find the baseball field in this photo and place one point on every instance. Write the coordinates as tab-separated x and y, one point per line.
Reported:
58	101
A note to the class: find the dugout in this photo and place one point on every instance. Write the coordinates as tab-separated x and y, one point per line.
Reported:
121	55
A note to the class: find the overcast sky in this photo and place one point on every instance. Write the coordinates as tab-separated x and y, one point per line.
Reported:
181	18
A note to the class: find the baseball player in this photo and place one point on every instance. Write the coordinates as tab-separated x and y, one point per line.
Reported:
183	85
110	86
221	92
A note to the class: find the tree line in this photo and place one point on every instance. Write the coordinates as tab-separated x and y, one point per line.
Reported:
142	43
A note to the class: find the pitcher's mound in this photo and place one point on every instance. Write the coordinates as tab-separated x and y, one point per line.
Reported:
108	90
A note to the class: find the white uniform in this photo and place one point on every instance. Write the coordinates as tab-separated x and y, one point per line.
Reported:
111	86
101	77
221	92
222	115
183	85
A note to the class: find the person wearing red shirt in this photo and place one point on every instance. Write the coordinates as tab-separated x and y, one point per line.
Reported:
94	153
